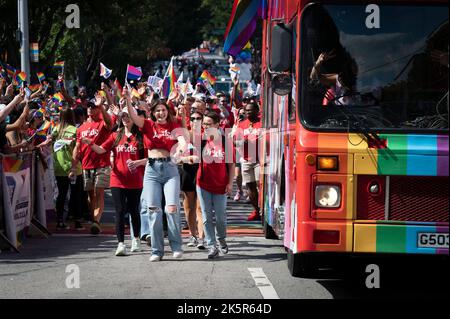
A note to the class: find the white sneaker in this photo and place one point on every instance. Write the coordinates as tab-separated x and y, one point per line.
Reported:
135	245
192	241
178	254
201	244
155	258
121	250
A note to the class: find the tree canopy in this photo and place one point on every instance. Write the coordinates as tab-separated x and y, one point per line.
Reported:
115	32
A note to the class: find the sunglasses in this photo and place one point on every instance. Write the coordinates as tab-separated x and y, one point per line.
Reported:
194	118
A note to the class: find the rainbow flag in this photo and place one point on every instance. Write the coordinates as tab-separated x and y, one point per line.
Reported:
135	93
208	76
34	87
10	70
169	80
58	97
41	76
118	89
133	73
44	130
59	64
242	24
104	71
21	77
3	73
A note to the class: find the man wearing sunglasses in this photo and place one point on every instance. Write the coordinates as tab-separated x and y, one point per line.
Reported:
96	168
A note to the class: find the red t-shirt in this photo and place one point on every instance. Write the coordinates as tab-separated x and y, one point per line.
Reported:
250	132
98	133
212	174
126	149
159	135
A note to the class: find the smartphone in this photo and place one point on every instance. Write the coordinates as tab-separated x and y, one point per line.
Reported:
27	92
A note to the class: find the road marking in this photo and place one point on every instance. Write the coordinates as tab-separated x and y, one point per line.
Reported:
263	283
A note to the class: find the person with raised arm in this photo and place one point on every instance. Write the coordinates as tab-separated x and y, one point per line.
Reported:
96	168
126	177
161	175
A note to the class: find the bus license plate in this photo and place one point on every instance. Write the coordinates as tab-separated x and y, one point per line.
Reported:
432	240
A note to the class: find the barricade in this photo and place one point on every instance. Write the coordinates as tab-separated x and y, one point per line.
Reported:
22	202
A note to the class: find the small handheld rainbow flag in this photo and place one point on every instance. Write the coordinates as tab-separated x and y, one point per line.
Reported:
169	80
104	71
207	76
44	130
59	64
58	97
41	76
21	77
34	87
118	89
10	70
135	93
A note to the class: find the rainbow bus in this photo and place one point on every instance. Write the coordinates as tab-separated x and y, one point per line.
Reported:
356	144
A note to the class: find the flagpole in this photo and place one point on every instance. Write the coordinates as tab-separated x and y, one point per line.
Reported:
126	74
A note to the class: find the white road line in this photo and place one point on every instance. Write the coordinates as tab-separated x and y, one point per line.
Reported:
263	283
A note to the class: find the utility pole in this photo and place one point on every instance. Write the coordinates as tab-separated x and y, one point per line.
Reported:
23	36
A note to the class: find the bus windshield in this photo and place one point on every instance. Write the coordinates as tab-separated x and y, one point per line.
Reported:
381	67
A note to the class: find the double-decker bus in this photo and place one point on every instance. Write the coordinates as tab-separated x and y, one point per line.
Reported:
355	152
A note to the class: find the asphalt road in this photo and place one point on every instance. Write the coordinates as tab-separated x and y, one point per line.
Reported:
43	270
76	265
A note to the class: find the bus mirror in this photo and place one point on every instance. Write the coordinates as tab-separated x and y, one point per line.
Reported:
282	84
281	51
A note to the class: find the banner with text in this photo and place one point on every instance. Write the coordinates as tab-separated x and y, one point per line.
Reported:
16	180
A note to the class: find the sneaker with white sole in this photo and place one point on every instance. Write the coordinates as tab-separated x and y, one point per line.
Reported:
135	245
213	252
154	258
238	196
192	242
121	250
223	247
201	244
178	254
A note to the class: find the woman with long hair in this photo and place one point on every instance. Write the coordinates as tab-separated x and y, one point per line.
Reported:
161	175
214	181
188	174
64	139
126	177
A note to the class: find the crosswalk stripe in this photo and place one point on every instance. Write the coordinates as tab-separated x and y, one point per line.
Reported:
263	283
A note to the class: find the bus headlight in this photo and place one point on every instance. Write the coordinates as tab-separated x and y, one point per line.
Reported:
328	196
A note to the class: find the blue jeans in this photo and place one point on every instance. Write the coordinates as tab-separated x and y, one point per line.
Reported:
158	178
218	203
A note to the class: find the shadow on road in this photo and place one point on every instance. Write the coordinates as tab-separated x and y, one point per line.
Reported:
410	277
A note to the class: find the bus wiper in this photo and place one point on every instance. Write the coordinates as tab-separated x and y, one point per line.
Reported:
355	124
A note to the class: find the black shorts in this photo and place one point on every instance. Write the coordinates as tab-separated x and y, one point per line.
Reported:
188	174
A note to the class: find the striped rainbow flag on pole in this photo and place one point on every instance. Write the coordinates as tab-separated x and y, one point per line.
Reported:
169	81
59	64
242	24
41	76
208	76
